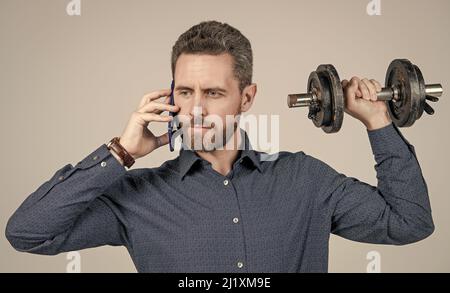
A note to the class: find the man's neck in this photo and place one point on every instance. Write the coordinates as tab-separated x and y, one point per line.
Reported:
222	160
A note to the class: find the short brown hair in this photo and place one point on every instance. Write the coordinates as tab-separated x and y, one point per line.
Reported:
214	38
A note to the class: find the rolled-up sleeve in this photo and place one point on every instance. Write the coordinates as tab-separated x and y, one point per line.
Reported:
396	211
71	210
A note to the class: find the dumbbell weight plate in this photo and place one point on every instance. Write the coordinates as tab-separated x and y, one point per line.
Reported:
422	92
318	84
337	98
402	74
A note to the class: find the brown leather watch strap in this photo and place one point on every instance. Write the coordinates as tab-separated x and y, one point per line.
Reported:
116	147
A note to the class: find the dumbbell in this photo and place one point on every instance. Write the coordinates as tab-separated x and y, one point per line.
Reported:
405	94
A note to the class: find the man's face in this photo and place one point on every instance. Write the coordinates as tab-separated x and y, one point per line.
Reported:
207	91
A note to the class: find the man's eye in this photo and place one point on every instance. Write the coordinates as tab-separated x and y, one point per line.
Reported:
213	93
183	93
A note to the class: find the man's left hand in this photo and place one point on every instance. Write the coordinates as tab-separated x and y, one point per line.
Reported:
360	97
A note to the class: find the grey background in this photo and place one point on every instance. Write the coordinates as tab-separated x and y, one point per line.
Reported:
69	84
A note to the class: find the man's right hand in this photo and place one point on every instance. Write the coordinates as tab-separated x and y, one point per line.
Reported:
137	139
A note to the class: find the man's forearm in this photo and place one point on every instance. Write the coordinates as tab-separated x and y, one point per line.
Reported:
55	205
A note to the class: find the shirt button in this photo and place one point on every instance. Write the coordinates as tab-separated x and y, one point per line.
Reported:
240	264
241	160
60	177
235	220
225	182
103	164
95	158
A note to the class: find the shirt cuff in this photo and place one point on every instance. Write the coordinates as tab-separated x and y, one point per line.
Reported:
102	156
388	139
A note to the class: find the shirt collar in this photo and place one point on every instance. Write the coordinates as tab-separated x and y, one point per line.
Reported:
188	157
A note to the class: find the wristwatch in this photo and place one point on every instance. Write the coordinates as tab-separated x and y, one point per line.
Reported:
116	147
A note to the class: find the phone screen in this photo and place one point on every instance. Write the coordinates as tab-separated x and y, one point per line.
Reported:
173	114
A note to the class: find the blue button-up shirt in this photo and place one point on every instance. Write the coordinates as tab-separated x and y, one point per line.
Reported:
264	216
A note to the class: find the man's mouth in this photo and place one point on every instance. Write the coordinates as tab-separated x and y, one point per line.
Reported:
200	129
201	126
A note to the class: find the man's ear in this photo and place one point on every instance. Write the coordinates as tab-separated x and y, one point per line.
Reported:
248	96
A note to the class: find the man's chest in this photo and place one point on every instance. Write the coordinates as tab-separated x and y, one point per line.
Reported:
215	228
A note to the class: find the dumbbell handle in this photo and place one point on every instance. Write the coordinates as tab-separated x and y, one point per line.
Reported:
386	94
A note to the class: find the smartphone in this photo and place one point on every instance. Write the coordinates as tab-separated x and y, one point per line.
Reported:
173	114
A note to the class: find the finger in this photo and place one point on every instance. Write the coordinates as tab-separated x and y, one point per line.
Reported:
344	83
146	118
157	108
352	88
364	90
350	92
154	96
372	89
166	101
175	109
377	85
354	82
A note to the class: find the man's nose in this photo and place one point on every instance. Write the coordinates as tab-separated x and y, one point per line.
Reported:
197	107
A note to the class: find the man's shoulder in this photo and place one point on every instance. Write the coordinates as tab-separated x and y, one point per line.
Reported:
280	156
166	168
289	159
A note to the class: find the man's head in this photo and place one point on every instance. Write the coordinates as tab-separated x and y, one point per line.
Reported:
212	66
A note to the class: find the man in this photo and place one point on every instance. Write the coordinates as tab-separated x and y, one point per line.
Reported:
215	209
